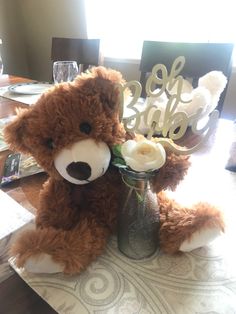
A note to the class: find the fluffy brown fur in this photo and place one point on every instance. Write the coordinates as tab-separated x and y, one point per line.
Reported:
179	223
73	222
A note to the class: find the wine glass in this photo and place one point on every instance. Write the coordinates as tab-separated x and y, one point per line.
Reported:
65	71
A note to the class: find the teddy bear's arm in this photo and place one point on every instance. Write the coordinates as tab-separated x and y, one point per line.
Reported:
61	206
63	242
56	208
173	171
104	198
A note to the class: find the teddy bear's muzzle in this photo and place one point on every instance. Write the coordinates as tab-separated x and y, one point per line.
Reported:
83	162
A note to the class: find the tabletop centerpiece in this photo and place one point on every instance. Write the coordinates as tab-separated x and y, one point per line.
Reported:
70	132
139	159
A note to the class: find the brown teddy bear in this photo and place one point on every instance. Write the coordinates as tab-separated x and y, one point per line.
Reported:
70	132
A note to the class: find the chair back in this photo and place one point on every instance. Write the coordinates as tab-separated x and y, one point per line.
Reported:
200	58
84	51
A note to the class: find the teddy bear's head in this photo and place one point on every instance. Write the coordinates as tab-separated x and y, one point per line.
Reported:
72	127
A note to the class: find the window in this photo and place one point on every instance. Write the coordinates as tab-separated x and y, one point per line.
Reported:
124	24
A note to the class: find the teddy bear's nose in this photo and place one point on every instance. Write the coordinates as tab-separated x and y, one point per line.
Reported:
79	170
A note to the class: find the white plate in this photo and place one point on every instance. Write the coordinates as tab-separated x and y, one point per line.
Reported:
31	88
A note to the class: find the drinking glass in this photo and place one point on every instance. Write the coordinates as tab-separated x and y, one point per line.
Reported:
65	71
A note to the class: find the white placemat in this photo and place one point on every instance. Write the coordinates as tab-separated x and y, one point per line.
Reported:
13	218
12	215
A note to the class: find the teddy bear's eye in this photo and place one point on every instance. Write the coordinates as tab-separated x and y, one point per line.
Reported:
85	127
49	143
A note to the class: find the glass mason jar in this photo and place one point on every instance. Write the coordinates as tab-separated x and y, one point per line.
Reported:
138	218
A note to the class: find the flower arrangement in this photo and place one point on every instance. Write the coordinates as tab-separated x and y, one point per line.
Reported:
141	155
140	159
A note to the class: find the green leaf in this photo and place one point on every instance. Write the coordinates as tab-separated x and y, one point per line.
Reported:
119	165
139	197
116	150
119	162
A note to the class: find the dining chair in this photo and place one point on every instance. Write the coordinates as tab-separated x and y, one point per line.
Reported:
200	58
86	52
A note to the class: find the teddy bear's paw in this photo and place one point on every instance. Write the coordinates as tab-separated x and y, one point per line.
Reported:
200	238
42	263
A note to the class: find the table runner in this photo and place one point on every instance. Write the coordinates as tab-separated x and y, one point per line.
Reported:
203	281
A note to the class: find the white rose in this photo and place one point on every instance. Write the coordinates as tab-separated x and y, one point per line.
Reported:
143	155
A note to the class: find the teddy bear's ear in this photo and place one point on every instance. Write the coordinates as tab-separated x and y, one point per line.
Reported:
15	132
110	97
107	81
102	82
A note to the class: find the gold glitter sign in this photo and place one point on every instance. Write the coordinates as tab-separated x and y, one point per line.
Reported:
175	123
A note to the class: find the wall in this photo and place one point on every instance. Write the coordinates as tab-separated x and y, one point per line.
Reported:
44	19
13	47
129	68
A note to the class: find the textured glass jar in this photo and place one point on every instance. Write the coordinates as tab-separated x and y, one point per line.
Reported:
138	218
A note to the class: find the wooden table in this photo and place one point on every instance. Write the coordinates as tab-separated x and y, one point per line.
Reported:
208	163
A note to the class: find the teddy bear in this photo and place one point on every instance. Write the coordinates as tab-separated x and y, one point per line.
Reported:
70	132
206	96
